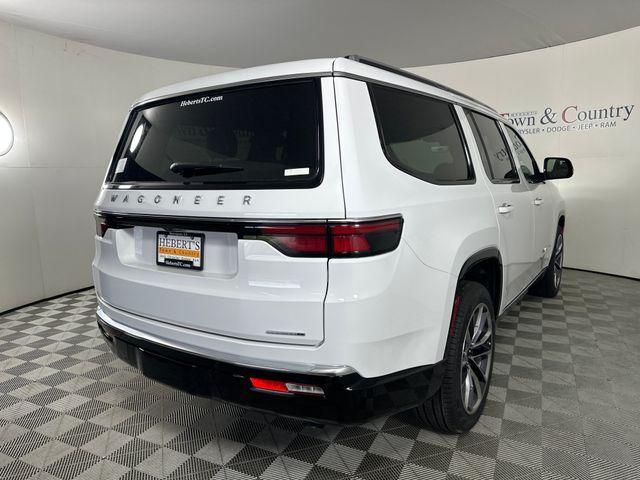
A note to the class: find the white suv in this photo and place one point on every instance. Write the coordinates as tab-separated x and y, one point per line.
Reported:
331	239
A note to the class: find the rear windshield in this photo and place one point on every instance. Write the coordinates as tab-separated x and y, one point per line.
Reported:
263	136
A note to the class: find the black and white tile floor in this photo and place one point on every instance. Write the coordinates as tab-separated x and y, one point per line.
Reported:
565	403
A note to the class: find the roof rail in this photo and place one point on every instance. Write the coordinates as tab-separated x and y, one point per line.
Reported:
413	76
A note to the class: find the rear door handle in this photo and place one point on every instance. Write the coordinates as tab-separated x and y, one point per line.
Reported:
505	208
538	201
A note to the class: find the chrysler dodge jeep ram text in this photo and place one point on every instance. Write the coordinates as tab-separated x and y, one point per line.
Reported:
331	239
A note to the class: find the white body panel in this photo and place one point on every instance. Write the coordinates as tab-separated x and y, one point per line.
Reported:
374	315
245	289
360	333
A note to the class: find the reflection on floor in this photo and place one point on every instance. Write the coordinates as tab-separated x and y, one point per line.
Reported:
565	403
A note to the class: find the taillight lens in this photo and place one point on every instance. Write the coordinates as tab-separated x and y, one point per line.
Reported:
360	239
327	239
333	239
105	223
296	240
102	225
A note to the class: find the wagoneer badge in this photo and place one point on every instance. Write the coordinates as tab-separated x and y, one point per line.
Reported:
174	200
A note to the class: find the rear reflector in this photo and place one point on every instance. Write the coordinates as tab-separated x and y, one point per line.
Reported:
277	386
269	385
334	239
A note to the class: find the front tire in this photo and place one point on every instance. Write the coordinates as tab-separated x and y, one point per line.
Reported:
468	363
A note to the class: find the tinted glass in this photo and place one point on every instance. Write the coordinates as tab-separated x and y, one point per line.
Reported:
526	160
259	136
496	157
420	135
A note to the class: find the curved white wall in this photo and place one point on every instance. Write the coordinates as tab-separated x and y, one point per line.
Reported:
603	198
67	102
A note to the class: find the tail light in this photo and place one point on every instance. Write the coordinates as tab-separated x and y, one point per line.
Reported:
327	239
361	239
333	239
296	240
276	386
102	225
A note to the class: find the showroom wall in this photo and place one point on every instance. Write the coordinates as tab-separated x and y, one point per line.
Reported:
66	102
578	100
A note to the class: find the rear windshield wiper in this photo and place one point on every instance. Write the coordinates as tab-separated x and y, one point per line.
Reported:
189	170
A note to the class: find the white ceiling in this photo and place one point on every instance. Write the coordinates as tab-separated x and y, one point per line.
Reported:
238	33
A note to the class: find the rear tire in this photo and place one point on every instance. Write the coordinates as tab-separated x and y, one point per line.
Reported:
548	285
468	363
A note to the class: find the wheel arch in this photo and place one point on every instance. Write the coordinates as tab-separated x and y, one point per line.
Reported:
485	267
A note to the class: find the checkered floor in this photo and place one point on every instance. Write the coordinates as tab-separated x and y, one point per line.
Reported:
565	403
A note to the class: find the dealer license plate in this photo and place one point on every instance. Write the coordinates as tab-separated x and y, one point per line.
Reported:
180	249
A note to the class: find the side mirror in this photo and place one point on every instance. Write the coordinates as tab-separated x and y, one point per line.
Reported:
557	167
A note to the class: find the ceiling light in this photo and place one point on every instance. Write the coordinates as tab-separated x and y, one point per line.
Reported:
6	135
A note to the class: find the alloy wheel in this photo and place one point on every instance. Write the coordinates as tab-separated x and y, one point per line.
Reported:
477	352
558	257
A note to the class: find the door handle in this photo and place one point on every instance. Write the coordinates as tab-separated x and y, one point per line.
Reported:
505	208
538	201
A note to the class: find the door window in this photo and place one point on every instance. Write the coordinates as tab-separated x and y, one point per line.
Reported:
527	162
494	152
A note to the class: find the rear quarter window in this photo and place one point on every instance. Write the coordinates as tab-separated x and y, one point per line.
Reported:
260	136
420	136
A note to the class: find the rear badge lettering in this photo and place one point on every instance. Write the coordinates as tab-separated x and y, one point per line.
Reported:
292	334
219	200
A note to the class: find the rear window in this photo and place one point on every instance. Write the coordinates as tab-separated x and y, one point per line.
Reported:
420	136
263	136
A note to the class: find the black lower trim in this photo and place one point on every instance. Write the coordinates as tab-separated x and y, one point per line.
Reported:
348	399
524	292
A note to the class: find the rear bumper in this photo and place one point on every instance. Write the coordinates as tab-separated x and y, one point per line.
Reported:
348	398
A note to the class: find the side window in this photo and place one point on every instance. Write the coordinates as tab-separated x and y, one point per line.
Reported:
493	148
420	136
526	160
